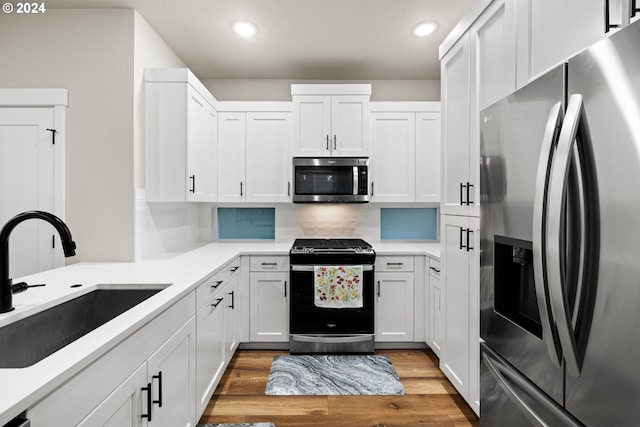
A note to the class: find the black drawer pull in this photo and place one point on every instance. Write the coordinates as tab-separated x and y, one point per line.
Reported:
218	283
159	378
149	402
437	270
217	303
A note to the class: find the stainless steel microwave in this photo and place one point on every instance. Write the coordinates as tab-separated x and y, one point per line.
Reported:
330	180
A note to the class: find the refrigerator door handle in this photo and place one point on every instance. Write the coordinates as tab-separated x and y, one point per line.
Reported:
587	259
549	332
541	411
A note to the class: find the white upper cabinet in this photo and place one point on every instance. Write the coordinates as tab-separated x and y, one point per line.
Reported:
330	120
254	162
268	159
231	156
405	153
560	29
393	158
493	41
180	137
460	171
428	156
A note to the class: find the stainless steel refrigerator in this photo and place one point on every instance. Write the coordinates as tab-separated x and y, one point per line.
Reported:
560	244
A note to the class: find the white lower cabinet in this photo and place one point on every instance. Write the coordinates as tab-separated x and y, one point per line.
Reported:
269	304
436	312
460	357
123	407
232	305
394	282
210	349
113	391
172	375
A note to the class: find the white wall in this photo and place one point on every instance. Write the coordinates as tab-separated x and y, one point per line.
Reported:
280	90
90	53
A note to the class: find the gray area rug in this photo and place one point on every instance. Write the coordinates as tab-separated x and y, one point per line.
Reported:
333	375
238	425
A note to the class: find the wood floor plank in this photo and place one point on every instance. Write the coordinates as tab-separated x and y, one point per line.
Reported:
430	398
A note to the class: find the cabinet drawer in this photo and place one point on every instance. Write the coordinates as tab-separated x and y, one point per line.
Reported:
211	286
434	267
394	263
269	263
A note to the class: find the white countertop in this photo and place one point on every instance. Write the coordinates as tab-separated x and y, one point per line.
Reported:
22	388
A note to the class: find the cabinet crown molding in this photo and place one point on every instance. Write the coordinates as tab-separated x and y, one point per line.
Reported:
330	89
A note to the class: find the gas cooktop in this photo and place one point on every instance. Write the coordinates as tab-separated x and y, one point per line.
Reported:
331	245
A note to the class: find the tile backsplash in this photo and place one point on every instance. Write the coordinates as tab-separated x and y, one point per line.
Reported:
163	229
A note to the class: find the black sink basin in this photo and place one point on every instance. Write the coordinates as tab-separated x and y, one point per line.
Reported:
29	340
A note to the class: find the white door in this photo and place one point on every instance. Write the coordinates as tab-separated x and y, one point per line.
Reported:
428	157
269	318
231	156
393	159
268	159
456	103
311	126
27	171
394	307
349	125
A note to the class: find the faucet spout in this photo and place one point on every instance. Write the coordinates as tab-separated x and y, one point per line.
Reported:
68	247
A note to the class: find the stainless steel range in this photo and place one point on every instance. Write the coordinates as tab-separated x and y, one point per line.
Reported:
332	296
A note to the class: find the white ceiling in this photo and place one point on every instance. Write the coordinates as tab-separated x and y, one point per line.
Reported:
298	39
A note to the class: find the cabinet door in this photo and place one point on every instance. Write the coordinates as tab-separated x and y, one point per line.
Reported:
268	158
201	148
493	39
232	306
436	312
210	346
172	374
269	316
560	29
455	282
349	125
393	160
312	126
474	315
394	307
456	143
427	160
231	156
125	406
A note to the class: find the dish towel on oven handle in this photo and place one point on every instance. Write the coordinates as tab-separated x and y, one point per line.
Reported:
337	286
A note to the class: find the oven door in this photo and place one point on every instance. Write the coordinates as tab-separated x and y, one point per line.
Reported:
307	319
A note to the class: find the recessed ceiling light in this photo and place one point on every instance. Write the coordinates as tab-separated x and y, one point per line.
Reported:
244	28
424	28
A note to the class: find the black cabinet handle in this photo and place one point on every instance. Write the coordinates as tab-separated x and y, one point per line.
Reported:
335	143
634	9
218	283
607	24
461	233
378	288
289	189
217	303
193	183
469	187
469	247
232	300
149	402
437	270
395	263
159	378
327	142
233	269
372	188
461	192
240	188
285	289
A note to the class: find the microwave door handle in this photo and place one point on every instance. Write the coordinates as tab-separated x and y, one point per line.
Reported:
549	332
355	180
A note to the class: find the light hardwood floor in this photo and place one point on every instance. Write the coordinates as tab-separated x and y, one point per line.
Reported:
430	399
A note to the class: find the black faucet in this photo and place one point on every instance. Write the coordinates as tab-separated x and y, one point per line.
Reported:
68	246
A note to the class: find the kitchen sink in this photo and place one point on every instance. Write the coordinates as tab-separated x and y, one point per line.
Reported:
29	340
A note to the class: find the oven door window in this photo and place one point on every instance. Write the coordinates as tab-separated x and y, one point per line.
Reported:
318	180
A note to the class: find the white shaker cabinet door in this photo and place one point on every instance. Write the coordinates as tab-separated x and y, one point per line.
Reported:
427	161
269	302
268	158
231	156
394	307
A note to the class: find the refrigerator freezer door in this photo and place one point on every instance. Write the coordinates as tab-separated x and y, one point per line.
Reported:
512	134
509	399
607	390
